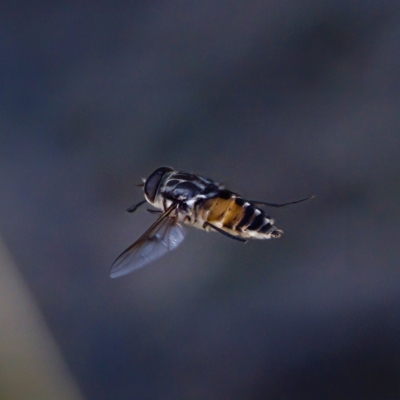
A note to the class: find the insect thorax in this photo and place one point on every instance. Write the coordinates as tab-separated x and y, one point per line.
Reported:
186	190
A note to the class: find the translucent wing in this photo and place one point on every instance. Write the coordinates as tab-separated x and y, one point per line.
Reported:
163	236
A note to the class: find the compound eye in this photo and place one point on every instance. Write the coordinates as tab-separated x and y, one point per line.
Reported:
153	182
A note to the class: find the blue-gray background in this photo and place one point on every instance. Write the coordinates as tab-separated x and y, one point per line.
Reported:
278	100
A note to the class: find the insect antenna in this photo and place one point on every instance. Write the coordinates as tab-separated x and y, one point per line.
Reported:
142	183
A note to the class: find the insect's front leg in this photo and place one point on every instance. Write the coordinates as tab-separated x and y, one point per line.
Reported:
183	207
184	212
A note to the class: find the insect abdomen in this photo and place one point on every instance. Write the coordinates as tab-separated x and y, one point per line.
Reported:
239	217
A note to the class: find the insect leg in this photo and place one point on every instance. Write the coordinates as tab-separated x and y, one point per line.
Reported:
223	232
153	211
280	204
133	208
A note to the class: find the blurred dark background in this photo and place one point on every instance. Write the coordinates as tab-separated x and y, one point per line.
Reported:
277	100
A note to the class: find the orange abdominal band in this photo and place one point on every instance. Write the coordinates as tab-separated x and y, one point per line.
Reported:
224	211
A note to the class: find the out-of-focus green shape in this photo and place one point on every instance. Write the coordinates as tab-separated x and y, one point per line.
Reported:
31	366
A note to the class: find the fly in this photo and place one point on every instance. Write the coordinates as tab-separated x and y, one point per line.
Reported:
189	199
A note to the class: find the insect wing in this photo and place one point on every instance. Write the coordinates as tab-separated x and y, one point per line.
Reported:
163	236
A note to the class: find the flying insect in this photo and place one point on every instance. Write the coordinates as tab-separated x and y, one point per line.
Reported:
189	199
